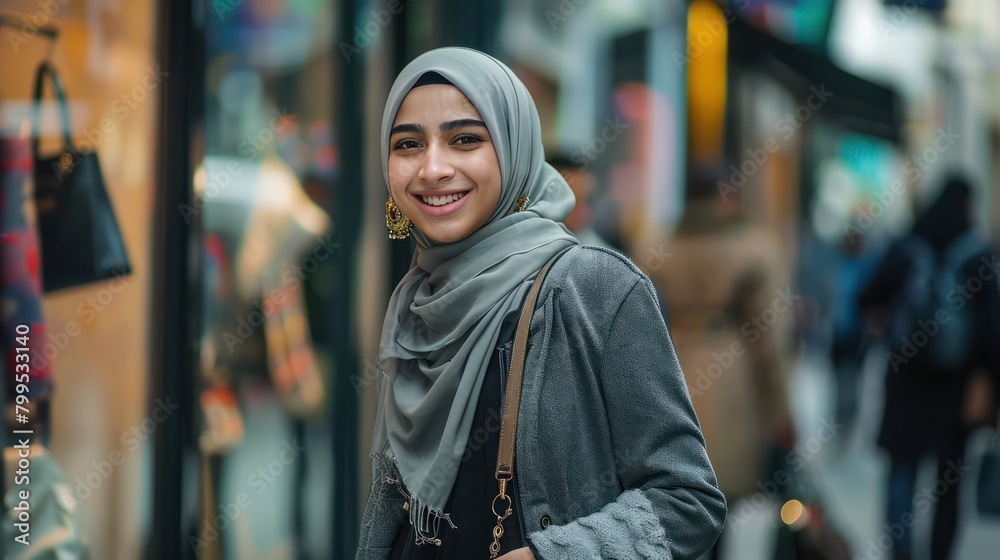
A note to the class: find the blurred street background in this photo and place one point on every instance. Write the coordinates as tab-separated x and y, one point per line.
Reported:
812	186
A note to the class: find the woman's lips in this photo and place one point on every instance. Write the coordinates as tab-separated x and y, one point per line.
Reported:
444	210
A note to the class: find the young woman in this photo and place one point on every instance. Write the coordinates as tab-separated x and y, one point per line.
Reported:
609	459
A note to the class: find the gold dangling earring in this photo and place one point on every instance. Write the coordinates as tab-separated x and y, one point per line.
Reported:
398	224
521	204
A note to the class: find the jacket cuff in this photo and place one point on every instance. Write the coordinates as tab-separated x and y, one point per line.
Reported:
625	528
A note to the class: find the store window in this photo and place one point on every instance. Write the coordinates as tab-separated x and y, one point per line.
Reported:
262	184
89	335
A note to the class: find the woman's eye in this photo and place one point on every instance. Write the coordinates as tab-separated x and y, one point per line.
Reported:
406	144
467	139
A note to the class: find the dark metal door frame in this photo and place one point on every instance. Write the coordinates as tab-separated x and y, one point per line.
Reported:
175	307
347	196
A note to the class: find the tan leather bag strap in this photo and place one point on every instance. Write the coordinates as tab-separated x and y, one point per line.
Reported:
508	430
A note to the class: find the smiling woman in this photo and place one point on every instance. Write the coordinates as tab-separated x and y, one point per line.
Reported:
462	157
443	171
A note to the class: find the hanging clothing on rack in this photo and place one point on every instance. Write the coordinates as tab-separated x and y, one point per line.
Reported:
55	530
20	285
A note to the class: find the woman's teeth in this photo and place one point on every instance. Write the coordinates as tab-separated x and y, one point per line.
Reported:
441	200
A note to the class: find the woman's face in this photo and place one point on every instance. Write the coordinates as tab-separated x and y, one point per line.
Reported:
443	168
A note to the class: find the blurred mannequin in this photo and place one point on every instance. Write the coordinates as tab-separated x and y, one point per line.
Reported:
277	227
263	237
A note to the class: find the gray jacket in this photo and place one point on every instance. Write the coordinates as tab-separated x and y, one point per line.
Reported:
610	460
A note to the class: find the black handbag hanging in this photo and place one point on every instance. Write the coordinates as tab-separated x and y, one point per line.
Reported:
79	235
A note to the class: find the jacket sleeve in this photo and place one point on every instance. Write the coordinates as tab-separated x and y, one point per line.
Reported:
671	507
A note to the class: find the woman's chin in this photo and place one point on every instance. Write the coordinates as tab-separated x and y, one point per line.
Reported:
447	233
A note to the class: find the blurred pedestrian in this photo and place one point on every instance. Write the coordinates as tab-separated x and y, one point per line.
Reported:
922	296
463	160
583	182
850	272
728	315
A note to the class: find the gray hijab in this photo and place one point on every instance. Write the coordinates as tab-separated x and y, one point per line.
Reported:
443	320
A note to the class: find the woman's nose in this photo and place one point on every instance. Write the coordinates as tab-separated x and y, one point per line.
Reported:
437	165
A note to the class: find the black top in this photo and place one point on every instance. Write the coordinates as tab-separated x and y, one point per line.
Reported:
475	485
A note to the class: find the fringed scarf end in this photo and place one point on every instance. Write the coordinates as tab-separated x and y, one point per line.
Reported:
426	521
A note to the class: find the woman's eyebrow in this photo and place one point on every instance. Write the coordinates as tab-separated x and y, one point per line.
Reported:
461	123
408	127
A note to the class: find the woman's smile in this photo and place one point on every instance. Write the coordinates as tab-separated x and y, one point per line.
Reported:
441	205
